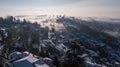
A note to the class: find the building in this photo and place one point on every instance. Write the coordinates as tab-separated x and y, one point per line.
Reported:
25	59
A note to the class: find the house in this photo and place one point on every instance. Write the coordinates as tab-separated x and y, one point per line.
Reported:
18	59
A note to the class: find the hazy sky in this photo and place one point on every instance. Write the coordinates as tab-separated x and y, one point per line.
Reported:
84	8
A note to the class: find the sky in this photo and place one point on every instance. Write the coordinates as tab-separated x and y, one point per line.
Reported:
79	8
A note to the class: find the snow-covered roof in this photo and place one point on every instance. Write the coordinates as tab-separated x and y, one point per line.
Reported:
46	58
18	55
40	63
23	63
27	60
30	60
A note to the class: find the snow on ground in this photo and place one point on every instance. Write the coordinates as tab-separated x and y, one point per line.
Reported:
90	64
61	47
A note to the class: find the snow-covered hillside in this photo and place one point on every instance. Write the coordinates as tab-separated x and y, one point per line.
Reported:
67	41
